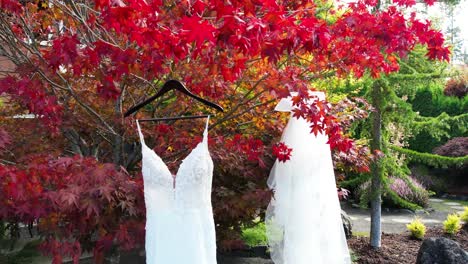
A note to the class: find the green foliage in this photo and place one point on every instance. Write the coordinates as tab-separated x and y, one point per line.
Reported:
255	236
417	228
361	233
424	142
464	215
416	67
430	179
410	190
453	224
432	159
392	196
442	126
431	132
354	256
432	117
418	86
430	101
3	229
362	194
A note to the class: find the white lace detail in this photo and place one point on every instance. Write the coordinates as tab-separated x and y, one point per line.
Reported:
179	213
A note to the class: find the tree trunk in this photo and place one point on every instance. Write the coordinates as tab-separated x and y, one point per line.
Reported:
117	150
376	168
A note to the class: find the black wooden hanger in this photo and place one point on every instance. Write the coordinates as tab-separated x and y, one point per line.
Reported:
172	85
172	118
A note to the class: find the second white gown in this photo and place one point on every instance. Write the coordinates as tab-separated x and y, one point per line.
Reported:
304	218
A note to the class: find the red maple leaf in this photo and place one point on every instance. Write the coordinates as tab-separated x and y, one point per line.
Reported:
282	152
68	198
406	3
316	129
11	5
194	29
108	89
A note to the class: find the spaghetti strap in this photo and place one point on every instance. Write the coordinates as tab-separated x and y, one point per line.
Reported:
142	138
205	133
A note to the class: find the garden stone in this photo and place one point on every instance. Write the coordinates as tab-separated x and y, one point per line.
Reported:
347	224
441	250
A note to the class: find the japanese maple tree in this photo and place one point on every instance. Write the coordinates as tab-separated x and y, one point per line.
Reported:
80	64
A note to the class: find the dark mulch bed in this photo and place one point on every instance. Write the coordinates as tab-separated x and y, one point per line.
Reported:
399	248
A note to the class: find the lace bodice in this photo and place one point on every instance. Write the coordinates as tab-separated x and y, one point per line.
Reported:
190	188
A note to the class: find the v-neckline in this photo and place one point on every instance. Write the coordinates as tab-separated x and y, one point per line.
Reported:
164	163
173	176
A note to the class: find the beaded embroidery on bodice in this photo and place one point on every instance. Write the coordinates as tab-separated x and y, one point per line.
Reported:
191	186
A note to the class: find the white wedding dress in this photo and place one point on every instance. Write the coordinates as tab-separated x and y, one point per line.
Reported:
179	217
303	218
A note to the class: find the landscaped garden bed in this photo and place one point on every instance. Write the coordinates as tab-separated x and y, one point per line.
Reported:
398	248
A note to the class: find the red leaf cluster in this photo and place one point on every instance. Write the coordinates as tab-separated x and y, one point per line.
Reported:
30	94
406	3
455	147
457	87
64	52
77	202
5	139
11	5
317	113
343	193
250	147
282	152
210	44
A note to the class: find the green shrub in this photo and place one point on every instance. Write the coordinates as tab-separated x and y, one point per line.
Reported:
424	142
431	101
410	190
255	236
417	228
453	224
464	215
354	256
401	193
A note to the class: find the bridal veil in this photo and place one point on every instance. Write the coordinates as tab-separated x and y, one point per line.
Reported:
303	218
